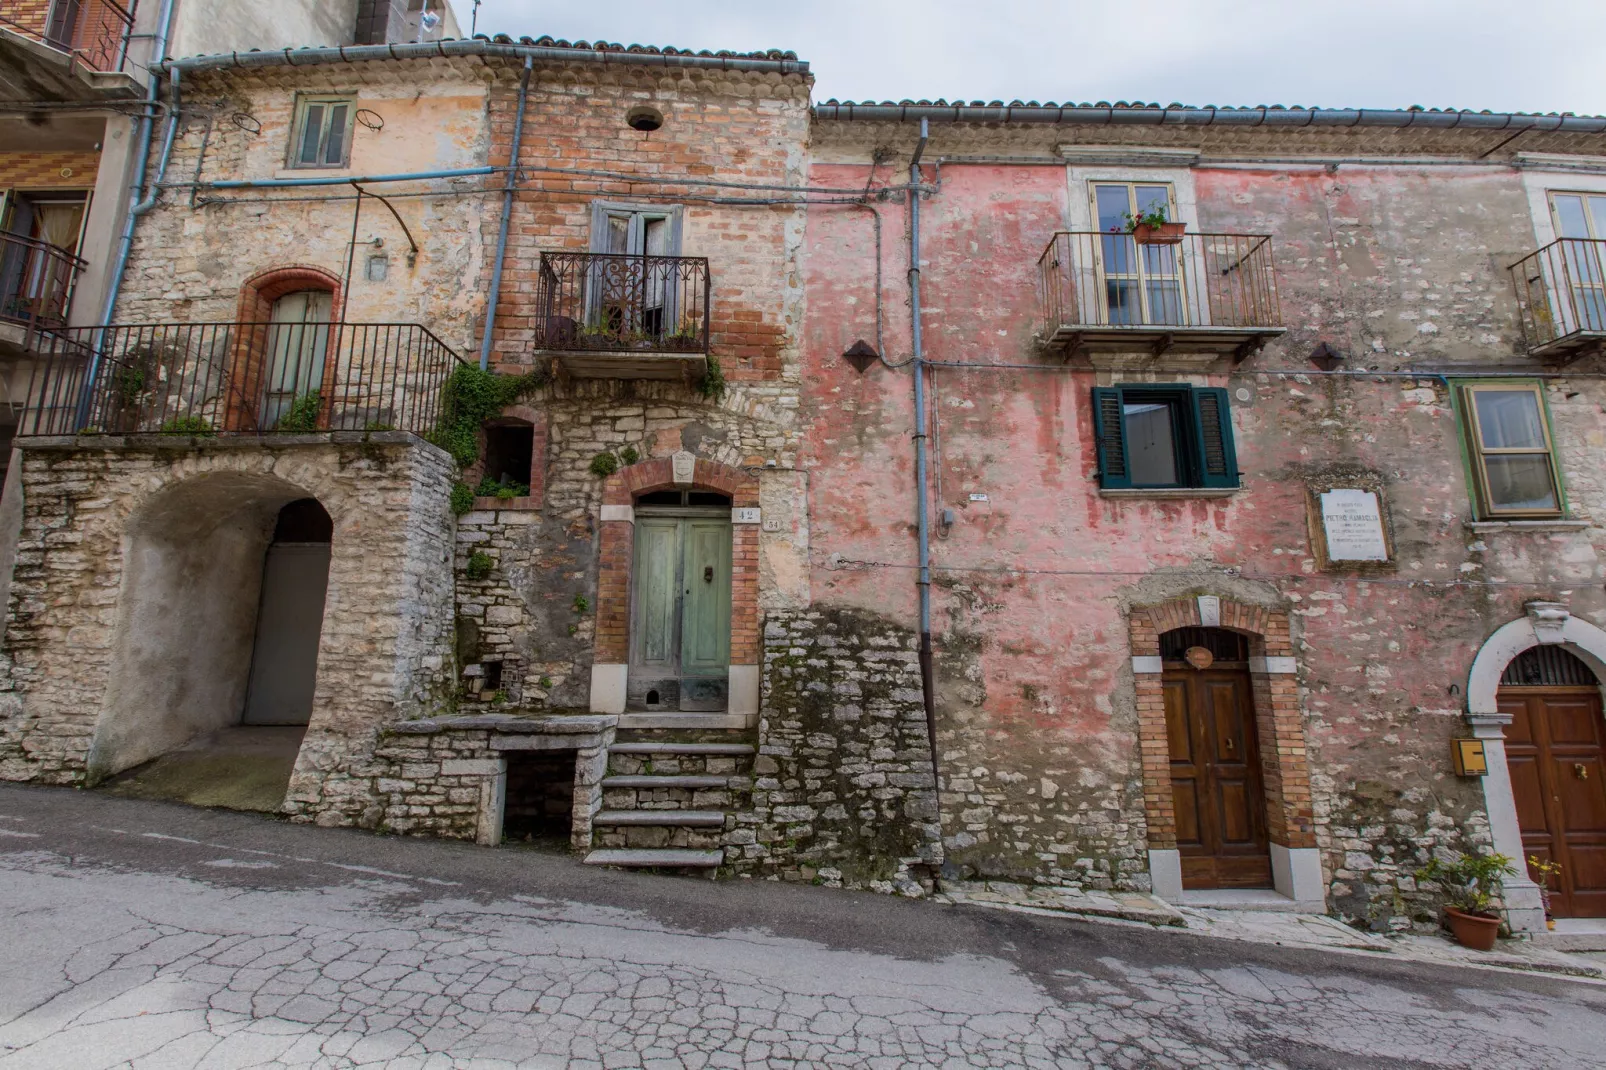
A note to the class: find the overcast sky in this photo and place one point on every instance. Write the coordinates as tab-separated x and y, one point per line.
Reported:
1510	55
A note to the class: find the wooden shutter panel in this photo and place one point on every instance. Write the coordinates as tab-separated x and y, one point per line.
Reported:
1109	438
1212	417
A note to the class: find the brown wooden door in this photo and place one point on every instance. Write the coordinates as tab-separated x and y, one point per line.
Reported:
1556	751
1215	779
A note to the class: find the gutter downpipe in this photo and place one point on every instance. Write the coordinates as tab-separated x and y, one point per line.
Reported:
928	683
507	217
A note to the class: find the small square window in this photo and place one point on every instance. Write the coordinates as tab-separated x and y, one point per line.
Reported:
1162	437
321	135
1513	459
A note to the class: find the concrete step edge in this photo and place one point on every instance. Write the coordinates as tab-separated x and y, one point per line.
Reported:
716	749
675	781
668	857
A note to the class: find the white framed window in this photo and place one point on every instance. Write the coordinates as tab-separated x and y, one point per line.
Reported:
321	133
1511	451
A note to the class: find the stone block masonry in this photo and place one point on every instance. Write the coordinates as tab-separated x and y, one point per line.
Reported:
843	790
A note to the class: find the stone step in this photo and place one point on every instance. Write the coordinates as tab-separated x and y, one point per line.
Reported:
668	857
650	782
734	721
693	818
681	748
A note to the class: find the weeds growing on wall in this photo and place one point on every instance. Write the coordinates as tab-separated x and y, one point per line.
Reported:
302	415
462	498
186	425
604	465
712	384
479	565
470	398
503	491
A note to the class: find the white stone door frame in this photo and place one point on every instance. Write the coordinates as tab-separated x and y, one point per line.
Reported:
1545	624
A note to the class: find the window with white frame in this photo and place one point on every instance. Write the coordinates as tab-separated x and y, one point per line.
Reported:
321	134
1510	450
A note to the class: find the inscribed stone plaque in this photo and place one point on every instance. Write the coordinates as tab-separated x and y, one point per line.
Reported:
1353	525
682	465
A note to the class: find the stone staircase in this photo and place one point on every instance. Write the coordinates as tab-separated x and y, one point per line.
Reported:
668	800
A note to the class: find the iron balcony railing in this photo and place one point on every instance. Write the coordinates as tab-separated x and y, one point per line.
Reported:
36	281
1093	279
237	378
94	31
615	302
1561	293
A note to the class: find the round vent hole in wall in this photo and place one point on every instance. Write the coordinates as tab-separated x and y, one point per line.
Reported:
644	118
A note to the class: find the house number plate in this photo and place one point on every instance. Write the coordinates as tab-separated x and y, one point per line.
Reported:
745	516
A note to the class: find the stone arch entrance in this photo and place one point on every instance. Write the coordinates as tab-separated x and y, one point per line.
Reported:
193	597
1282	771
610	672
1494	713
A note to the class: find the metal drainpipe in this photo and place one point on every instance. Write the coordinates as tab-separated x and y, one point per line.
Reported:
928	684
507	217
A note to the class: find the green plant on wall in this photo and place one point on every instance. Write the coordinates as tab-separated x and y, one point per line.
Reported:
506	491
470	398
581	603
302	415
462	498
629	455
479	565
186	425
604	465
712	384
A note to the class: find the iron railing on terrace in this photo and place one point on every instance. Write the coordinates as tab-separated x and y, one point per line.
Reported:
36	281
1094	280
1561	296
237	378
614	302
95	31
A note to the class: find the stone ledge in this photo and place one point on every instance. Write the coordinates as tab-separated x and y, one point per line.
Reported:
1168	492
1128	906
224	441
1489	526
551	726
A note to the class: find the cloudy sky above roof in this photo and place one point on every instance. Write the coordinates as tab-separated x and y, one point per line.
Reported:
1505	55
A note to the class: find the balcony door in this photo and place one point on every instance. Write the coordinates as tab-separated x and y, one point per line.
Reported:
1582	216
36	276
298	343
1141	284
632	291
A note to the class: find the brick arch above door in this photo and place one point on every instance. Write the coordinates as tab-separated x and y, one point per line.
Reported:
1285	771
611	649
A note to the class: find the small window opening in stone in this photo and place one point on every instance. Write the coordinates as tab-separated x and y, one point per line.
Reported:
539	806
653	699
644	118
510	453
493	676
303	520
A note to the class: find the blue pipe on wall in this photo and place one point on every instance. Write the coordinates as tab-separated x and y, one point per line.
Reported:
287	183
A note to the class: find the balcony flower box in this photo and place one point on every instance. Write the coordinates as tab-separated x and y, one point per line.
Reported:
1159	233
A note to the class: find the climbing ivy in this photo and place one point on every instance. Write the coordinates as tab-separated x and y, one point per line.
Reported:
471	397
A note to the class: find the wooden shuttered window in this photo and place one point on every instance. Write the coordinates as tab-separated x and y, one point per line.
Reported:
1164	437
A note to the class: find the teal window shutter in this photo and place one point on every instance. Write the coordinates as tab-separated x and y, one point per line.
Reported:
1212	420
1109	438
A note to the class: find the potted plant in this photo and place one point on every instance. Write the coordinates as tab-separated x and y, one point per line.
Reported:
1543	871
1470	884
1154	227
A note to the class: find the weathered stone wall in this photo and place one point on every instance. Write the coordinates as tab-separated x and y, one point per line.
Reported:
843	792
77	624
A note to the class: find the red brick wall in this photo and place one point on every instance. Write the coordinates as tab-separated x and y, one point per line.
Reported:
48	170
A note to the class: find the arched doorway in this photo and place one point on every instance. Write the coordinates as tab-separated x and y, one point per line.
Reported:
1556	758
680	602
1215	761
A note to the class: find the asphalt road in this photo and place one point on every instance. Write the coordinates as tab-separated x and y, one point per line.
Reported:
141	934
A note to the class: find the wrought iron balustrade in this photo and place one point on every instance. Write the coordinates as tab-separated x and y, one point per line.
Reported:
1561	297
36	281
1110	282
237	378
94	31
613	302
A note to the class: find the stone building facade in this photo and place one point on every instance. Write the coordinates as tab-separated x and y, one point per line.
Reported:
1224	562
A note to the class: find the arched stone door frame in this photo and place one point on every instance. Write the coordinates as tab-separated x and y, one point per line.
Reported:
1285	771
1543	624
610	667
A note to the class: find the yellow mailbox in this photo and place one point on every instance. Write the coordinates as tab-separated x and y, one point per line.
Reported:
1469	757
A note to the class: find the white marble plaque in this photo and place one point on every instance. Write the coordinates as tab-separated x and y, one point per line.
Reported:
1353	524
745	515
682	466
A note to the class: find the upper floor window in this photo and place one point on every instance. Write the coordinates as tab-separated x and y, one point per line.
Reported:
321	134
1512	455
635	230
1161	437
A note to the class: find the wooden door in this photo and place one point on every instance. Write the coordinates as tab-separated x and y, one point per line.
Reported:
1554	750
680	629
1215	779
298	341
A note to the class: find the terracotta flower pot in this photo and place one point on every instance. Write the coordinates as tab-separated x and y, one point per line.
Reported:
1473	930
1164	234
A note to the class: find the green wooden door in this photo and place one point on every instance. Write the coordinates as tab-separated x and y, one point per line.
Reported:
656	630
705	636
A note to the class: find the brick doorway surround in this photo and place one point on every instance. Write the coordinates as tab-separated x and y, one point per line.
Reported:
611	653
1285	772
248	371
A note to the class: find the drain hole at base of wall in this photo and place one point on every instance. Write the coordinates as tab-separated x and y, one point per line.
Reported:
653	699
539	805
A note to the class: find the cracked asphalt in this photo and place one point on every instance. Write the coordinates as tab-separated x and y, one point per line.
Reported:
139	934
